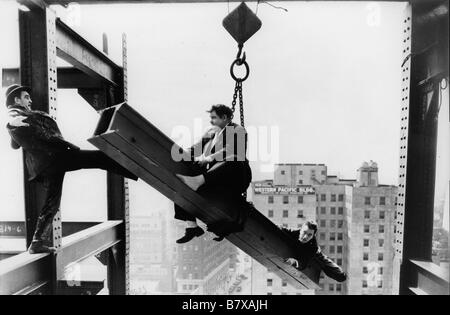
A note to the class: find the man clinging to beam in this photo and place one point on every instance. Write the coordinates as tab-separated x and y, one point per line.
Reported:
310	250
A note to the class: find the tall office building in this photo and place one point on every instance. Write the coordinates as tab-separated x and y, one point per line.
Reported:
204	267
151	259
355	224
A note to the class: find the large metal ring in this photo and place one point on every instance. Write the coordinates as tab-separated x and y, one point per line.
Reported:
239	63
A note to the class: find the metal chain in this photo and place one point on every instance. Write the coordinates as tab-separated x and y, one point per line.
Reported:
235	95
241	105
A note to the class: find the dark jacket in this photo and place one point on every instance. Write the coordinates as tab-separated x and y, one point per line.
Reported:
231	144
311	251
41	140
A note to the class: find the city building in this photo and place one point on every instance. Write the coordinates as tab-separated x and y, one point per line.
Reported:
151	254
355	224
204	267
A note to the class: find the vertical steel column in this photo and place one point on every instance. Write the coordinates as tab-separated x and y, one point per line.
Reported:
403	159
429	64
39	71
118	202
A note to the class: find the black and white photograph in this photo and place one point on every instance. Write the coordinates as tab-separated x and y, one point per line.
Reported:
224	153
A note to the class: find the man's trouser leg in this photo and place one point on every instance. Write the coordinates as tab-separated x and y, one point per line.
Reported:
234	176
83	159
53	190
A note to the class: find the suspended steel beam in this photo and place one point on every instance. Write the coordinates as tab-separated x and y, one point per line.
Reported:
68	78
77	51
137	145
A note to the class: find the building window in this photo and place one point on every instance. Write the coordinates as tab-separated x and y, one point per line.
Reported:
285	214
332	236
284	283
380	284
341	210
339	261
270	214
270	199
365	270
339	249
381	242
333	198
285	199
366	214
323	223
381	228
331	287
366	243
333	210
300	182
364	283
380	270
324	173
380	256
339	236
300	199
340	224
323	197
382	201
283	172
333	223
341	197
322	236
332	250
338	287
300	172
269	282
367	201
366	228
366	256
382	215
300	214
323	210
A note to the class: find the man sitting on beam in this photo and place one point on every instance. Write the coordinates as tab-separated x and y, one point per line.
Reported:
48	157
225	169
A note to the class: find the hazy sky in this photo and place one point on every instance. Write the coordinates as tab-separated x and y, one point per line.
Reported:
327	75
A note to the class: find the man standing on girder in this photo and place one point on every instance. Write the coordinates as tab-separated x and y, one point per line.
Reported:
48	157
225	171
310	251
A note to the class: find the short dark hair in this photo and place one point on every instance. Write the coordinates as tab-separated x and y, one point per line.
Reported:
312	225
222	110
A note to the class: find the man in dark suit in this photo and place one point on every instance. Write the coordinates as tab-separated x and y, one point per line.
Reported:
48	157
306	239
225	169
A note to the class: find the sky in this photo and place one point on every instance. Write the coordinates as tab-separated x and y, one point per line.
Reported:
325	82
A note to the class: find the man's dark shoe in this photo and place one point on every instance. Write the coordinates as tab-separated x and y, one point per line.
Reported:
190	234
38	247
